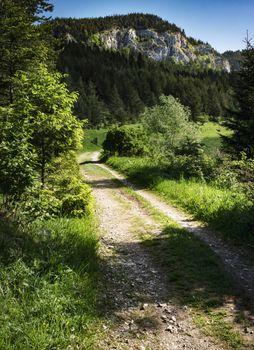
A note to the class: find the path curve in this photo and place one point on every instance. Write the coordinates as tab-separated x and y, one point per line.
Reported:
242	272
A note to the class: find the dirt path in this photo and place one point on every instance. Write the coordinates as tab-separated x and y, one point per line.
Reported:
139	311
231	257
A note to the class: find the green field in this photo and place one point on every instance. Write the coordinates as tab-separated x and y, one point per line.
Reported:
93	139
210	136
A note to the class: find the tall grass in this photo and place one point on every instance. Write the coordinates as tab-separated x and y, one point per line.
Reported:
228	211
48	284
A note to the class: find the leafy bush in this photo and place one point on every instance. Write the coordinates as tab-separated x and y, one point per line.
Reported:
38	204
129	140
168	126
237	174
75	196
65	194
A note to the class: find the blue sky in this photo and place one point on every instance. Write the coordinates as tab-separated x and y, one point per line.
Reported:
223	23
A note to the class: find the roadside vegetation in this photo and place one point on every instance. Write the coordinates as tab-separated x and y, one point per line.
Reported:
229	211
203	180
48	278
48	232
49	273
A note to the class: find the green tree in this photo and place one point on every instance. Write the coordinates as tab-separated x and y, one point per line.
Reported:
168	125
93	108
21	42
117	106
44	106
242	123
17	156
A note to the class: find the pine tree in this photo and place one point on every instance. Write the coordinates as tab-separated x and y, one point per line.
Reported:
94	109
117	106
242	123
20	40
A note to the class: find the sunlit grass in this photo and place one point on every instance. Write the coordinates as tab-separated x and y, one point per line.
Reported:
48	277
210	135
228	211
93	139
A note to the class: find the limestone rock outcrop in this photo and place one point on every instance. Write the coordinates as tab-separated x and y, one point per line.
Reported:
164	46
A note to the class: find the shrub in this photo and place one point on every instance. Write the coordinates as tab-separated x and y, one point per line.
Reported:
38	204
75	196
67	196
129	140
168	126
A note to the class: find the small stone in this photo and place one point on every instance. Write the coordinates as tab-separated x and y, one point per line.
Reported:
168	311
144	306
162	305
173	318
246	330
169	329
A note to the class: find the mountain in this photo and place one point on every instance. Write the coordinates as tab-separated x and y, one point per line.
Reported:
234	58
162	46
147	34
121	64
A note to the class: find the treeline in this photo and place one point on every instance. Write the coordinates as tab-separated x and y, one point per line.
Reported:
81	27
115	86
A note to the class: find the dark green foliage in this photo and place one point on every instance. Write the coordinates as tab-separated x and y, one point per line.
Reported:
21	42
242	123
36	121
64	194
80	28
123	83
127	140
235	59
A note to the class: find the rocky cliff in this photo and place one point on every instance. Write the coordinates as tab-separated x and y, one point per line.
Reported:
162	46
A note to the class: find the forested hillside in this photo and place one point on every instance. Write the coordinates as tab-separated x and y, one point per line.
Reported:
116	85
85	26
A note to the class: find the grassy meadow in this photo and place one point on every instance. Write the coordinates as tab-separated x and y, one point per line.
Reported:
48	279
210	136
93	139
